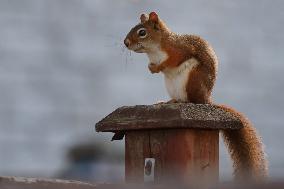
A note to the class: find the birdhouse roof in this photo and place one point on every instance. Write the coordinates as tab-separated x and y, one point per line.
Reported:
169	116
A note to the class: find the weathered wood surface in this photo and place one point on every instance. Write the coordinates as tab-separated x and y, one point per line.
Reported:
36	183
183	156
137	147
178	115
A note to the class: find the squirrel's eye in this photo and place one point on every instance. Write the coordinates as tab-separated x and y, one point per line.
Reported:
142	32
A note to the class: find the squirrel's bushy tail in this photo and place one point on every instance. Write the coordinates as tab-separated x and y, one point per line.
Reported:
246	150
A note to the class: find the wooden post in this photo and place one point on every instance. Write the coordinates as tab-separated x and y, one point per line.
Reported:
171	143
182	156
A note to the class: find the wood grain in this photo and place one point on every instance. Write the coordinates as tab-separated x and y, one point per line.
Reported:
136	149
183	156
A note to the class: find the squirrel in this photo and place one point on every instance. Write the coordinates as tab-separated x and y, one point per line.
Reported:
189	65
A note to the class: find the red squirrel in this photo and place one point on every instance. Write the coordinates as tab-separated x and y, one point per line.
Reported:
189	65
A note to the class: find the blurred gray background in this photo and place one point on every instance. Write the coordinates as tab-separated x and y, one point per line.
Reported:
63	67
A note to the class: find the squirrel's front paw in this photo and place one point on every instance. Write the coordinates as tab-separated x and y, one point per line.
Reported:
154	68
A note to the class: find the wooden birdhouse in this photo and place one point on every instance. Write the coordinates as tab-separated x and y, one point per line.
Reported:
170	143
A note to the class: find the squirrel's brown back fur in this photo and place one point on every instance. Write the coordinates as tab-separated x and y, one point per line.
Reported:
202	78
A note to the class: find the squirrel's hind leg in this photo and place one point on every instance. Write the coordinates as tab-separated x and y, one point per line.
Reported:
167	102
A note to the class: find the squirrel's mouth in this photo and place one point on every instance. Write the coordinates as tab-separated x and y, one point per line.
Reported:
138	48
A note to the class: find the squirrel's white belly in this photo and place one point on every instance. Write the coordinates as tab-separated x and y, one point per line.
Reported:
176	79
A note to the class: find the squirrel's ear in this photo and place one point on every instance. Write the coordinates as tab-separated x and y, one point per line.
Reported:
144	18
153	17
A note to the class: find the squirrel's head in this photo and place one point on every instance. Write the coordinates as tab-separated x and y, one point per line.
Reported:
146	35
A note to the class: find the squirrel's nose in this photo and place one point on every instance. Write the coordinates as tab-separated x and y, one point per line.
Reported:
126	42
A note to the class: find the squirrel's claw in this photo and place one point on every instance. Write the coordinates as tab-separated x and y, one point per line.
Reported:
154	68
166	102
